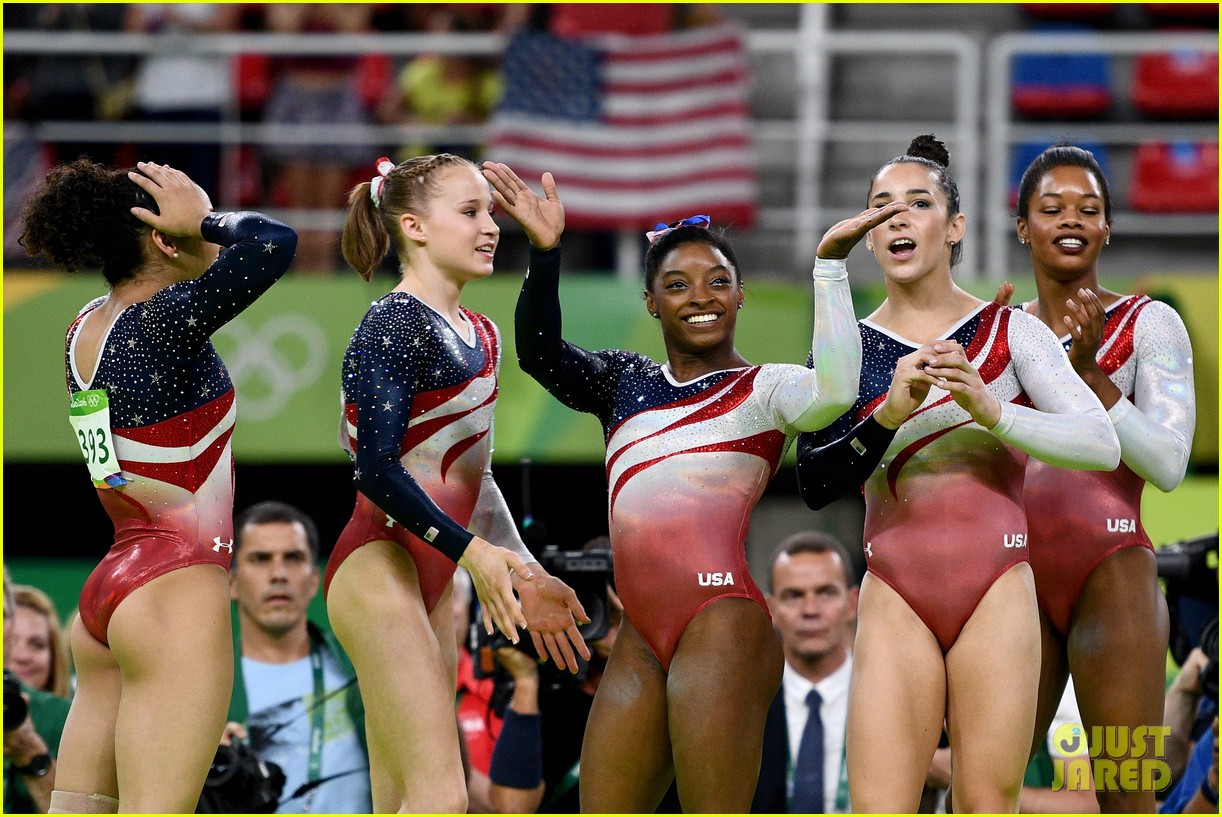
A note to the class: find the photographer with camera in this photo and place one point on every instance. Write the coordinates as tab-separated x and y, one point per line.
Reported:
536	762
33	724
1191	714
295	702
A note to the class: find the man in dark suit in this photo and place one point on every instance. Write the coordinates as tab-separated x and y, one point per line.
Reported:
812	595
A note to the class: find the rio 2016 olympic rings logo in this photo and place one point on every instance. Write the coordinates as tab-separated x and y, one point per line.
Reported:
271	362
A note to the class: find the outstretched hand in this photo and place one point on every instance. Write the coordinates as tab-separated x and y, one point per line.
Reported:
552	612
542	219
182	202
843	236
1004	293
490	568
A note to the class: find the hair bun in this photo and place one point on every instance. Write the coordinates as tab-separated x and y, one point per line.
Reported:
926	146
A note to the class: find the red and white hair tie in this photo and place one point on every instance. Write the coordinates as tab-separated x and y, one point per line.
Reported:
378	182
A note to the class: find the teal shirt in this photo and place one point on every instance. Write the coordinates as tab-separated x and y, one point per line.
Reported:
239	710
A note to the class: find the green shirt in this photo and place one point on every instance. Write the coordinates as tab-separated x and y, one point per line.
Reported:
48	712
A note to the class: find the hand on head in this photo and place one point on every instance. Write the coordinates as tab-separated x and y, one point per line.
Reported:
182	202
542	219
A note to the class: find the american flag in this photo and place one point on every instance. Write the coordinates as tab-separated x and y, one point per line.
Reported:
636	129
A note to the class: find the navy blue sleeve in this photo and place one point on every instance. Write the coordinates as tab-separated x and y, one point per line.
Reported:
833	461
385	386
580	379
256	252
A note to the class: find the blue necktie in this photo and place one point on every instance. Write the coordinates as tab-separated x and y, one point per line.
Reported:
808	771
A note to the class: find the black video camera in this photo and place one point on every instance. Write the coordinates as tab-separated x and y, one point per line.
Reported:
16	710
1189	570
588	572
239	782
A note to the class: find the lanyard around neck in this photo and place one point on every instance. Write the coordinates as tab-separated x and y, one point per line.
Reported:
318	717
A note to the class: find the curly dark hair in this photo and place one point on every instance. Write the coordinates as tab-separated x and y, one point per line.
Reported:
715	238
928	151
80	218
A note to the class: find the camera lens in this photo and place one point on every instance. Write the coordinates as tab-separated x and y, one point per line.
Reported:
15	707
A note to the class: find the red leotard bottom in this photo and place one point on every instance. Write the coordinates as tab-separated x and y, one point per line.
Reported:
368	524
942	558
1078	519
138	556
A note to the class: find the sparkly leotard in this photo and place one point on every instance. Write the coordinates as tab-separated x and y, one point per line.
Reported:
418	404
1077	519
686	462
172	412
944	507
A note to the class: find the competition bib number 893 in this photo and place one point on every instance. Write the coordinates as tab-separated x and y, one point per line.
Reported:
89	414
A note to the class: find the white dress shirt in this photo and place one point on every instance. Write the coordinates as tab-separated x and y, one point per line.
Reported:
834	690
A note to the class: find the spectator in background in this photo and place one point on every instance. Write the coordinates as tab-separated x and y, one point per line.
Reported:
1191	701
176	87
1197	791
72	87
31	745
320	91
537	761
812	596
444	89
294	695
36	650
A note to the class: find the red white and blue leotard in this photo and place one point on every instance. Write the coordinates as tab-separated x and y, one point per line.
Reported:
1077	519
172	412
418	400
944	506
686	462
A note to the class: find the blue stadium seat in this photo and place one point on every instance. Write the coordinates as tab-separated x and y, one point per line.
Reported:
1061	86
1024	153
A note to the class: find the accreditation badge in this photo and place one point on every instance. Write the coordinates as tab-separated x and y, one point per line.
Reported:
89	414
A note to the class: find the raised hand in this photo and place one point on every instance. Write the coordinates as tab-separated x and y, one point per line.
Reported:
952	372
490	568
542	219
843	236
182	202
552	612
